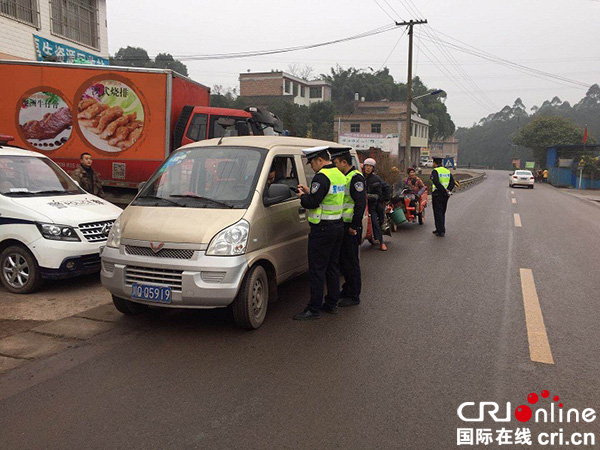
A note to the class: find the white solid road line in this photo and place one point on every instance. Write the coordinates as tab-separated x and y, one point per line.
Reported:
514	201
539	346
517	220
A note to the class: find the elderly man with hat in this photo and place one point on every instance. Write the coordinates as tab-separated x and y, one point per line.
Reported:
355	203
324	202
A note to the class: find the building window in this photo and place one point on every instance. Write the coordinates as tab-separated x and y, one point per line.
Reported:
287	86
302	91
316	92
76	20
25	11
375	128
355	128
295	88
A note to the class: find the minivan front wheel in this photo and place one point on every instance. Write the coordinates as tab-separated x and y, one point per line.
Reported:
20	272
250	305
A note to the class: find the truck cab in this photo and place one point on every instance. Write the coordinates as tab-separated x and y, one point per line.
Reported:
197	123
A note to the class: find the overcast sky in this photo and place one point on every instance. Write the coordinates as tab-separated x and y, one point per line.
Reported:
557	36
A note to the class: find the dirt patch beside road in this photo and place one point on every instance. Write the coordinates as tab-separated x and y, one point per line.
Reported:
55	300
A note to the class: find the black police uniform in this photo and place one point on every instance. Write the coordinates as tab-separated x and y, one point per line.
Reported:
324	243
439	198
349	255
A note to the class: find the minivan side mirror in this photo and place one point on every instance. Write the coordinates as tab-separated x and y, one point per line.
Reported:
277	193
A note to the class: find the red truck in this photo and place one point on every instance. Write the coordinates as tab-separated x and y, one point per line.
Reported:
128	119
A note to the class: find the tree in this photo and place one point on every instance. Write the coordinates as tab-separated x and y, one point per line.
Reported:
166	61
138	57
546	131
304	72
130	57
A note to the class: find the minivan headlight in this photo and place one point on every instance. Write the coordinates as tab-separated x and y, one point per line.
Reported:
114	236
231	241
58	232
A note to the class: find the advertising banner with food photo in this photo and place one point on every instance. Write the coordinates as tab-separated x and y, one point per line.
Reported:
110	116
45	120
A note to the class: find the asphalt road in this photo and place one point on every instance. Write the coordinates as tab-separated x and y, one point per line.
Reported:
442	322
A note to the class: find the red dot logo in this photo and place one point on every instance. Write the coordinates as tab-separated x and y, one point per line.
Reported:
545	394
532	398
523	413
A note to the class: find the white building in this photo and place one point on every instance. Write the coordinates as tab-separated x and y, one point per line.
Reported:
54	30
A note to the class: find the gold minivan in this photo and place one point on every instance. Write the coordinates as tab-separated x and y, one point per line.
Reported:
217	224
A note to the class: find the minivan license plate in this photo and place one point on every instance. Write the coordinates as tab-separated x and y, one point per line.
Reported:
159	294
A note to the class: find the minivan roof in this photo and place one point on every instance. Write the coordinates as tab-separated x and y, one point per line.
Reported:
267	142
7	150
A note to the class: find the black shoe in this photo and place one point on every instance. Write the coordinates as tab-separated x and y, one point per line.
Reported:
434	231
440	234
348	302
329	309
307	314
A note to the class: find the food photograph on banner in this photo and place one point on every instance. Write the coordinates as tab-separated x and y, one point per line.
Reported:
110	115
45	120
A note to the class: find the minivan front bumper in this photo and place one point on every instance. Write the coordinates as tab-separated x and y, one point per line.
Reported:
199	282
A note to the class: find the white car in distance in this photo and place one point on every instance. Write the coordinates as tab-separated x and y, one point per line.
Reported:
521	178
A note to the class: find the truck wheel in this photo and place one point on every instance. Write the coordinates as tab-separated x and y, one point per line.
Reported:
250	305
128	307
20	270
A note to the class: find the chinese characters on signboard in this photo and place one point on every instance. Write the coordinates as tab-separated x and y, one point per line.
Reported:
364	141
45	48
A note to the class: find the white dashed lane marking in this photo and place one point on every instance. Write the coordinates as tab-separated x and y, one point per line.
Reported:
517	220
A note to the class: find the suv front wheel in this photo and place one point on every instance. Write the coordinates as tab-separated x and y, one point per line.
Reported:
20	272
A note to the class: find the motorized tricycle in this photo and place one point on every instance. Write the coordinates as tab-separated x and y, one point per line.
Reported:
407	207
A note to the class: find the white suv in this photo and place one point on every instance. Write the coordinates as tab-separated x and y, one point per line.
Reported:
50	228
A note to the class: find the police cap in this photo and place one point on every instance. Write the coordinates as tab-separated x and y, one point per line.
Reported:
339	151
315	152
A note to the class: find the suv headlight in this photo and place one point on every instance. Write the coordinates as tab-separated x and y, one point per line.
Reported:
58	232
114	236
231	241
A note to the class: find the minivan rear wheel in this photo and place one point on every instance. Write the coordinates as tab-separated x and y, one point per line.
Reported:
128	307
250	306
20	272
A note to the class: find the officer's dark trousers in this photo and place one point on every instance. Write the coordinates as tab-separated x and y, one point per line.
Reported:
350	264
324	244
440	203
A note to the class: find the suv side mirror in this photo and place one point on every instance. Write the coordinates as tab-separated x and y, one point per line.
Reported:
277	193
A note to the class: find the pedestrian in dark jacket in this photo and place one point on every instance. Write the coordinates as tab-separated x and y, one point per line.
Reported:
374	193
88	178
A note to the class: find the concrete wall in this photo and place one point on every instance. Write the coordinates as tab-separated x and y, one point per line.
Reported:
16	38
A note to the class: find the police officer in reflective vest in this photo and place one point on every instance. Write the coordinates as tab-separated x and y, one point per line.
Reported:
355	202
324	202
442	185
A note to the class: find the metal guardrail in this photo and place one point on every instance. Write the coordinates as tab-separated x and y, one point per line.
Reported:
463	184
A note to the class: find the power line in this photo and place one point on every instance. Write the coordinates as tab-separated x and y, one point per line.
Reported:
393	48
249	54
384	10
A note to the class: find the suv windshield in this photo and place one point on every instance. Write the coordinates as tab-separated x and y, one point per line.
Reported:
29	176
205	177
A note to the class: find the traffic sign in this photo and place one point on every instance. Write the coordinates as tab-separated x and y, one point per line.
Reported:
449	163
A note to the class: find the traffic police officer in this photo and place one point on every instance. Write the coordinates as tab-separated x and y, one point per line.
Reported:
324	202
442	185
355	202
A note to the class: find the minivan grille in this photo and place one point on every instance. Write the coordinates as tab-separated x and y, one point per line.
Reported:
152	275
96	231
162	253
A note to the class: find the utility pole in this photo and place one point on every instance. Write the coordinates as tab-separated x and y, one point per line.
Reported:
407	148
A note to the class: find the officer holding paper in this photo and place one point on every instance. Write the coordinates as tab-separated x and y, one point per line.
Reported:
324	201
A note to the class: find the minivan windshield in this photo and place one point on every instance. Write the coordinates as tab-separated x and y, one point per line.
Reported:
29	176
205	177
